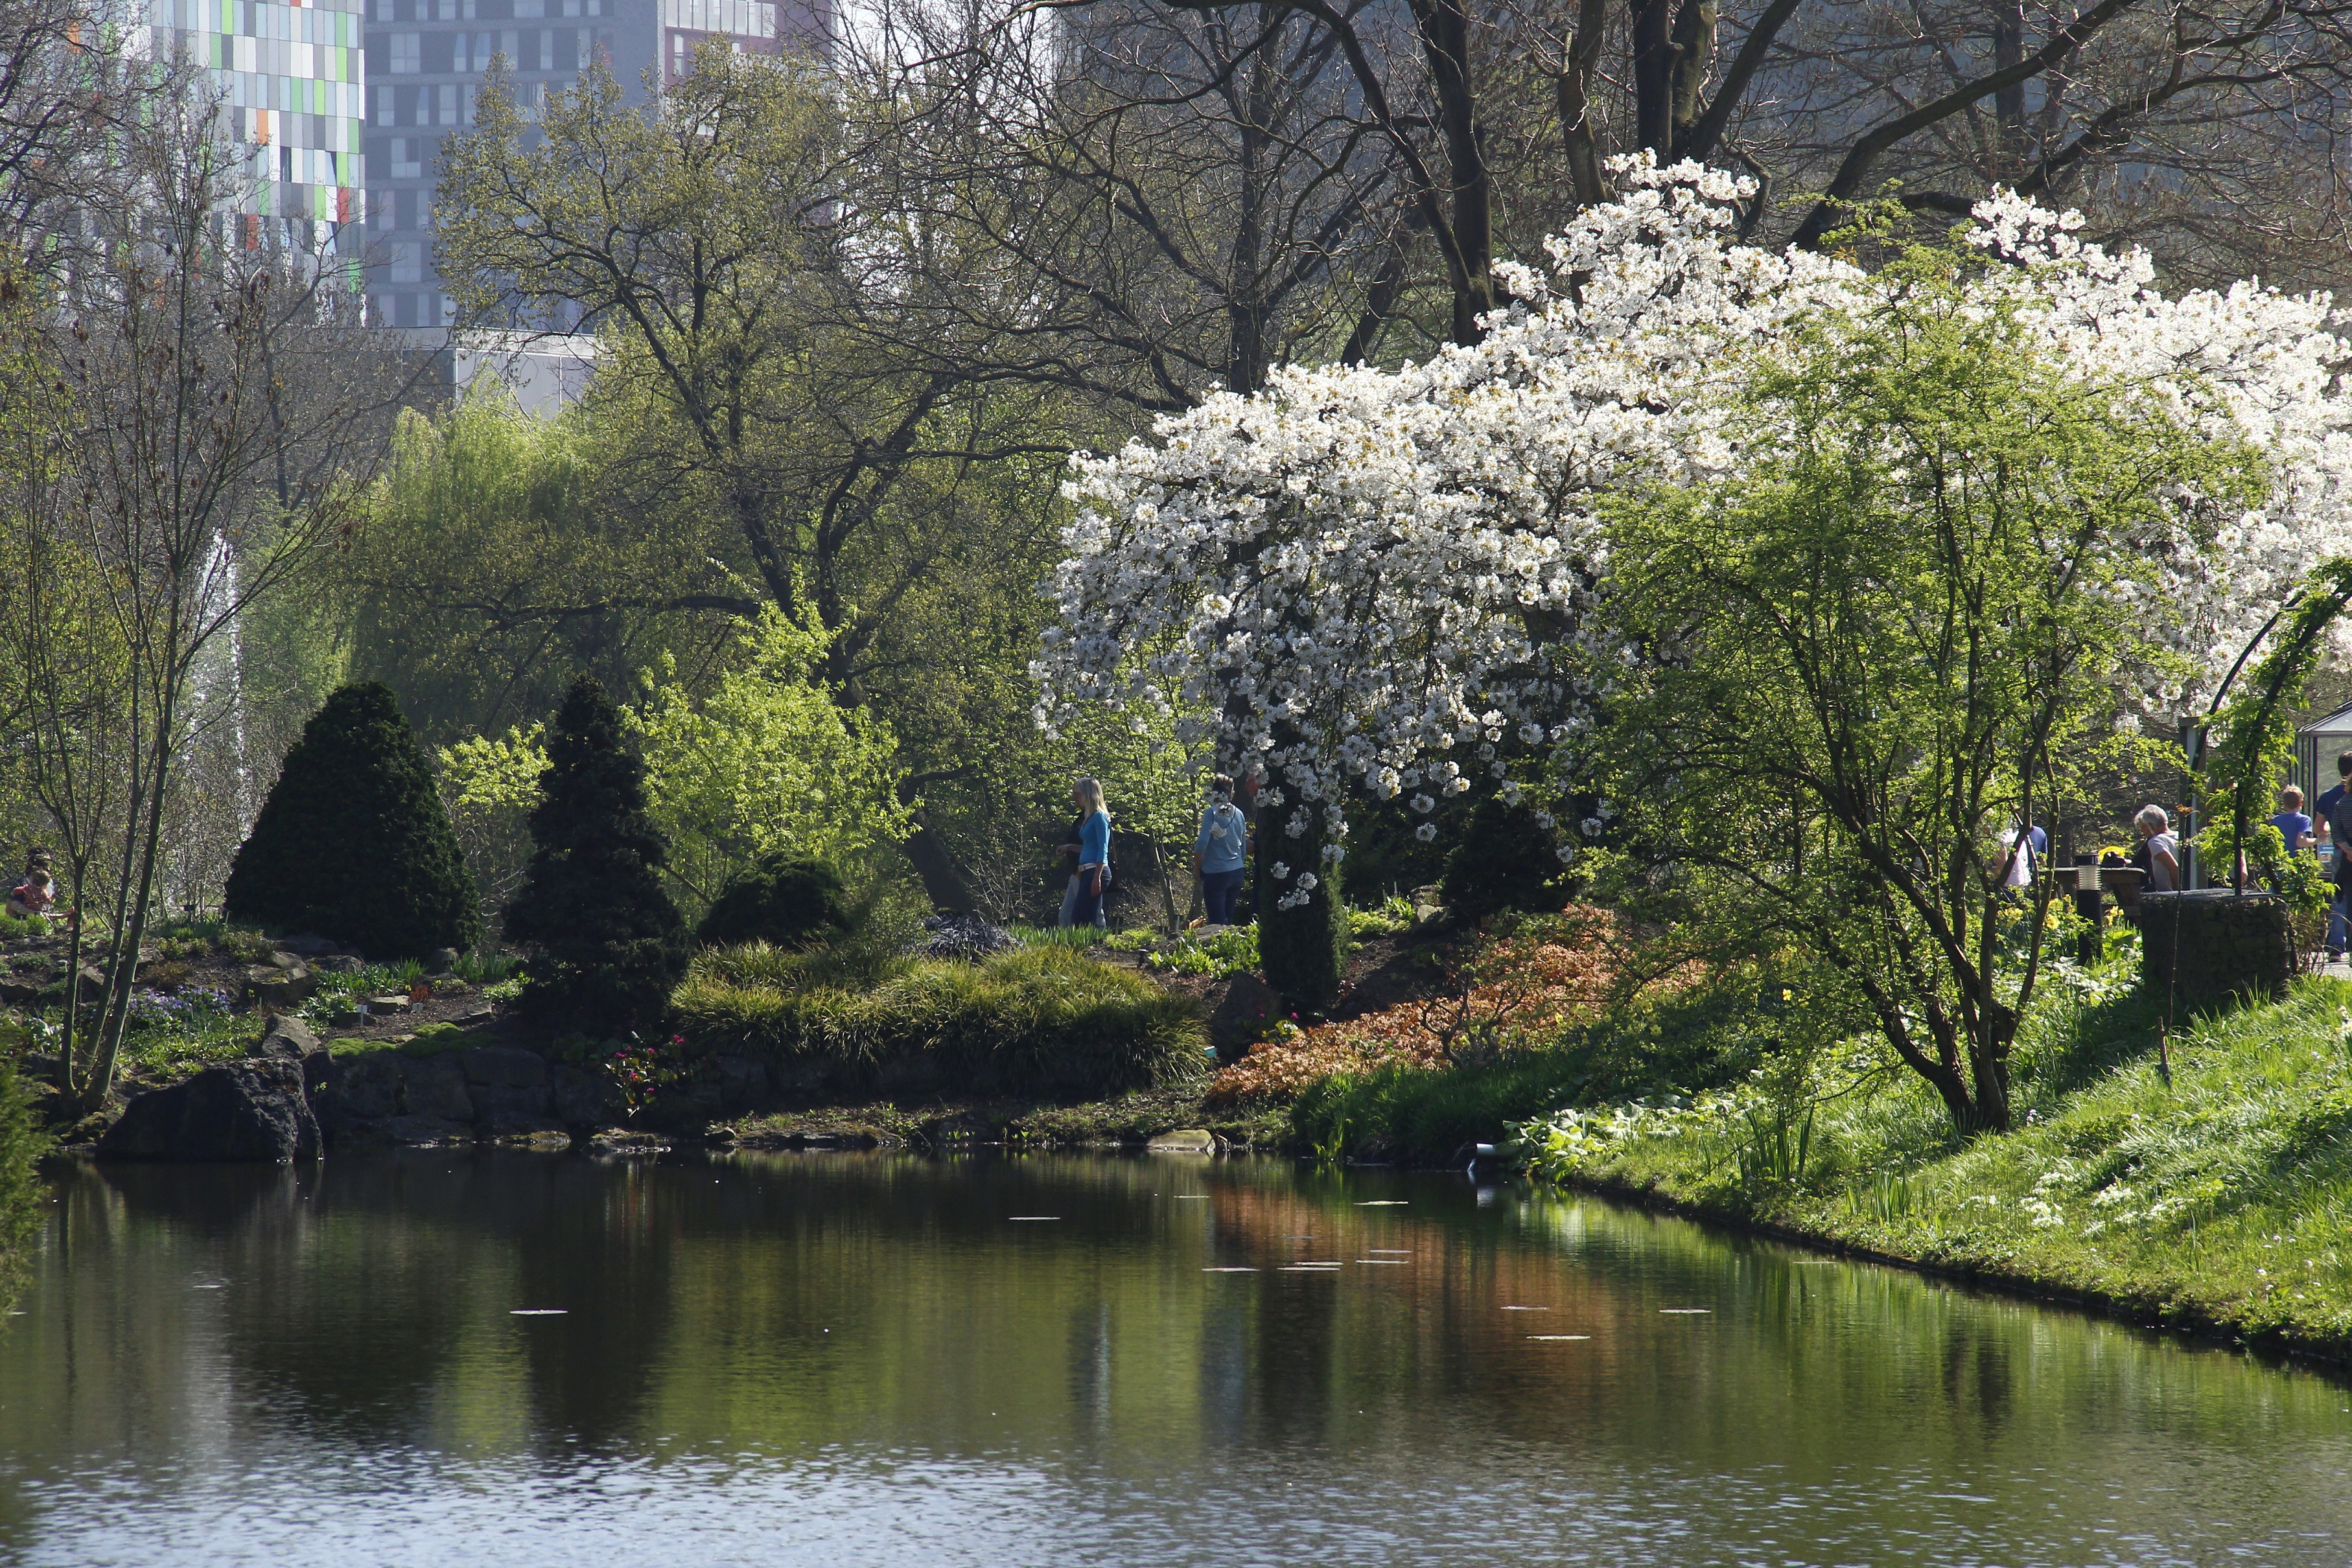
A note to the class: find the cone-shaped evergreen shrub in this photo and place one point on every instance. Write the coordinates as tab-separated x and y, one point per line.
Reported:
785	901
352	842
1506	860
1303	949
606	943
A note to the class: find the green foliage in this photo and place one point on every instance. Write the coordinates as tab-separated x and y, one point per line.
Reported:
1037	1021
766	763
22	1144
787	900
1506	859
1218	954
1886	649
353	842
605	942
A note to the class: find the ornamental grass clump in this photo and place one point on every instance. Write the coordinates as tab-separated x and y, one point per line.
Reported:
1037	1021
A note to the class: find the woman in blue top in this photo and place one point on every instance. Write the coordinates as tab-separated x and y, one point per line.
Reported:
1094	853
1217	852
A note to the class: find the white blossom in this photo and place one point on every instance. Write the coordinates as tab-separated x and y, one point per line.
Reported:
1364	574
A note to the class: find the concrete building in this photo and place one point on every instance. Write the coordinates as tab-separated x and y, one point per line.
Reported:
295	82
426	62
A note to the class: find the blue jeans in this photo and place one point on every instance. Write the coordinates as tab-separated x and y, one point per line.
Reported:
2335	924
1220	891
1086	908
1069	903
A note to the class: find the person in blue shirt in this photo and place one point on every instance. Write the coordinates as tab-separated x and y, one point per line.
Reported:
1094	853
1218	851
2335	822
2294	826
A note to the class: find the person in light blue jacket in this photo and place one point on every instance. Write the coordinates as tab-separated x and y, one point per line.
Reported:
1218	851
1093	854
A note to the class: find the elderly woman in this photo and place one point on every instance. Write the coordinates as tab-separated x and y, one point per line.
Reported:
2163	849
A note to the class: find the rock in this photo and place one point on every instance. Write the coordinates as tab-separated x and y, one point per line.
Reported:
507	1065
363	1088
742	1079
389	1002
961	936
583	1096
287	1038
278	990
341	964
475	1016
1185	1141
442	961
284	960
620	1141
309	944
1242	1016
423	1131
16	993
253	1111
489	1099
436	1087
346	1016
516	1127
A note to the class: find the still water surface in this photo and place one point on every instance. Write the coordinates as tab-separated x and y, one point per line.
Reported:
485	1359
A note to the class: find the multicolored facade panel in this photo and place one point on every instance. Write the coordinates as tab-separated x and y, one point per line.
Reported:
294	78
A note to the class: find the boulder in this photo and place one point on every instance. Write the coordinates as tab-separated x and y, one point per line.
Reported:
584	1097
1242	1017
1184	1141
253	1111
288	1039
620	1141
436	1087
742	1080
508	1066
441	961
388	1003
341	964
493	1099
362	1088
307	944
278	989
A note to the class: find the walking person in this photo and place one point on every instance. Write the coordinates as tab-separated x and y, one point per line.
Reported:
1219	850
2335	813
1093	880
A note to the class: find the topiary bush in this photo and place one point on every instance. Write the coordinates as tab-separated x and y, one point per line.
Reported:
352	842
1508	859
1304	948
785	900
606	944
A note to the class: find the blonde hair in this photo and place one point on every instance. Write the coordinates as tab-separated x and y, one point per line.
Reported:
1090	796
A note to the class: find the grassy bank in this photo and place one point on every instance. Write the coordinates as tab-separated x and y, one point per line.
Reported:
1043	1021
2221	1199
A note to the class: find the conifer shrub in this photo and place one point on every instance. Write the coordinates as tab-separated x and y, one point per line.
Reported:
1304	948
1508	859
353	843
785	900
606	944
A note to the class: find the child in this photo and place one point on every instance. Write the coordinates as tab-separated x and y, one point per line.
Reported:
2293	824
36	893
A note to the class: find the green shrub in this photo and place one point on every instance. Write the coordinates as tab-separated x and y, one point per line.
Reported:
353	842
1038	1020
786	901
606	941
1508	859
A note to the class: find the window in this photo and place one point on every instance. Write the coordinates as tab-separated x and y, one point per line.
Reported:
526	9
447	105
408	157
408	263
407	53
546	49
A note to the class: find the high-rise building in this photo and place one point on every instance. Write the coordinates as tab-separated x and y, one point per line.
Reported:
425	63
294	82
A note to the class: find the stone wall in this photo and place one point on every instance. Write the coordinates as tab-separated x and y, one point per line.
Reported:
2214	944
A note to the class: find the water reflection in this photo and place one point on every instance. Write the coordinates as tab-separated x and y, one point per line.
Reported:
800	1358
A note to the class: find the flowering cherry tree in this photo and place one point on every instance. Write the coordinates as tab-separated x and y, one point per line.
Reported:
1403	578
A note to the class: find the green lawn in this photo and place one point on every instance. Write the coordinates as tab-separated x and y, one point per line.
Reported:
2219	1199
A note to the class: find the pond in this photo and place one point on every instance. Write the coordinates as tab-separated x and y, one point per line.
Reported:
494	1358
